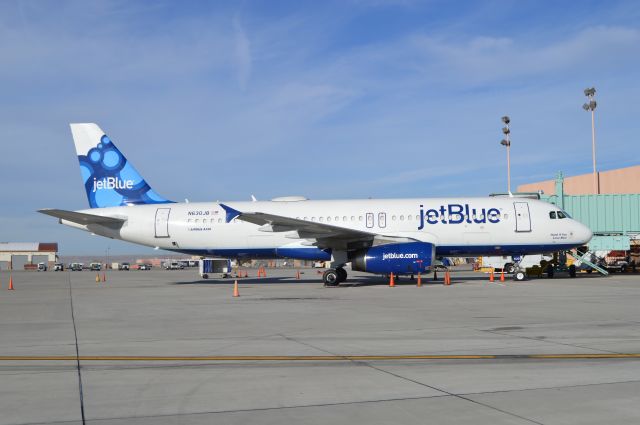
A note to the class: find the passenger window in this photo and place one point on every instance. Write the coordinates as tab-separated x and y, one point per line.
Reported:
337	218
552	215
561	215
402	218
353	218
393	217
409	217
320	219
359	218
344	218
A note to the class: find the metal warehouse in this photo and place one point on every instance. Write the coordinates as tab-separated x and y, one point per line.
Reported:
22	255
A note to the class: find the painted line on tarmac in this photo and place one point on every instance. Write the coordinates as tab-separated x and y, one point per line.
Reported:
322	358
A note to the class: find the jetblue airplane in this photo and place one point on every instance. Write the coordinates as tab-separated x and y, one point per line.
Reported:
400	236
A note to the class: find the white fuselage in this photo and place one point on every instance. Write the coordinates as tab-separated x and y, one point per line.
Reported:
456	226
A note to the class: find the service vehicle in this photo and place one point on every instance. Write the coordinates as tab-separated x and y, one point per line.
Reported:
210	266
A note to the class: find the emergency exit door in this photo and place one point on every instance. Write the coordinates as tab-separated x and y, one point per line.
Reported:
523	218
162	222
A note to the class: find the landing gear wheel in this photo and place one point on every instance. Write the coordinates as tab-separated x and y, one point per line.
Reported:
509	268
342	274
519	276
331	278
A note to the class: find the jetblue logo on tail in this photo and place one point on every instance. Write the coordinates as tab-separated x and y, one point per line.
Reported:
112	183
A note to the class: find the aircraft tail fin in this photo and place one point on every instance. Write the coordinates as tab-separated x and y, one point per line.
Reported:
109	179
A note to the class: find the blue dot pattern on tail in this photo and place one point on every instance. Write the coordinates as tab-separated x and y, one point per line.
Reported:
111	181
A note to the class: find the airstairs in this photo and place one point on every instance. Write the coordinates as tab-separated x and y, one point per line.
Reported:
583	258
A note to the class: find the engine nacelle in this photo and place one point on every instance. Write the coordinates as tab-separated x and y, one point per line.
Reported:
400	258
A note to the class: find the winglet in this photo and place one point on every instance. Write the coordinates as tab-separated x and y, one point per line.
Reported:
231	213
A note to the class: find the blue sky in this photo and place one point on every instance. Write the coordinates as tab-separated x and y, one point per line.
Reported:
221	100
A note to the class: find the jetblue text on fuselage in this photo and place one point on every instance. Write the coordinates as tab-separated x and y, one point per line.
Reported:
457	214
112	183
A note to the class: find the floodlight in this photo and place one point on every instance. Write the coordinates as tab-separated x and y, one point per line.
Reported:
506	119
506	130
504	142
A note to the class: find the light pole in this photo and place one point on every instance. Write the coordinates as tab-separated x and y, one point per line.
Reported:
591	106
507	142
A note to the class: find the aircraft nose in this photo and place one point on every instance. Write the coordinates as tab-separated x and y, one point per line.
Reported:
583	233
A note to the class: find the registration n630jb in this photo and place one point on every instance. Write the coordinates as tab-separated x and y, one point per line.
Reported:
401	236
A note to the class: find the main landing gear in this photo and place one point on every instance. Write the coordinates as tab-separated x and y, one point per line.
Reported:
333	277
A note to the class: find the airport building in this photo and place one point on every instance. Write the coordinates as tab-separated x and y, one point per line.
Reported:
27	255
620	181
610	207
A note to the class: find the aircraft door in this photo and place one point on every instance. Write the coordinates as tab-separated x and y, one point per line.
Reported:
162	222
382	220
369	220
523	217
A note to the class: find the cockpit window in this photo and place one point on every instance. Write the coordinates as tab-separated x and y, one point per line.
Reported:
561	215
552	215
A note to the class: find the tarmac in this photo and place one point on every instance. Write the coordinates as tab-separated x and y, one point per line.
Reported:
165	347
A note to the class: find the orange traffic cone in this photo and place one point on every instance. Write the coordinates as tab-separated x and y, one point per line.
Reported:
502	276
447	278
419	280
392	282
236	293
246	273
491	278
97	277
10	283
298	275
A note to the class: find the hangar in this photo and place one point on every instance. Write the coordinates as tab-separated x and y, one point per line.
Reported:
20	255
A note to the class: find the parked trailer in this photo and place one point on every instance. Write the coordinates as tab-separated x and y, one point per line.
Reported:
210	266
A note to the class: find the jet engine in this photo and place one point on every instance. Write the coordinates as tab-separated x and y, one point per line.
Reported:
398	258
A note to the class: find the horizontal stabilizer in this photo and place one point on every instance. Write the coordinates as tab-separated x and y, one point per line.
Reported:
81	218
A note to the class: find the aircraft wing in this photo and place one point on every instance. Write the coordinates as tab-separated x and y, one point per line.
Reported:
320	234
81	218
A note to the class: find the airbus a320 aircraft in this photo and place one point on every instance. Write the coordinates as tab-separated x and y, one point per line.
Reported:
400	236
